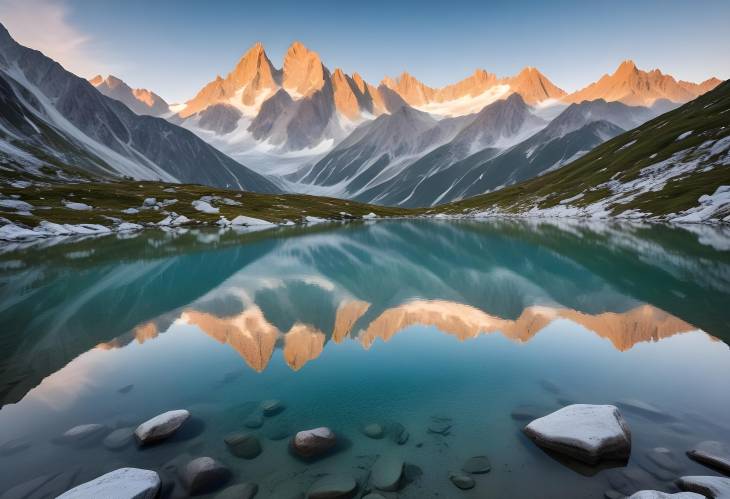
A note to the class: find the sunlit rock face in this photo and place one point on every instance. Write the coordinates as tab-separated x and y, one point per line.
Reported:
254	337
248	333
302	344
348	313
633	86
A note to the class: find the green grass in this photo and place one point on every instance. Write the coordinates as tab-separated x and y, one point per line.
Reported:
109	199
708	117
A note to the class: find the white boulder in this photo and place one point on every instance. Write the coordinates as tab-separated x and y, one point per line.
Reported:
161	427
124	483
244	220
589	433
654	494
204	206
713	487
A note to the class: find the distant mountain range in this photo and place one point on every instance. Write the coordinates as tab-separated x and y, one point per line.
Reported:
304	128
675	167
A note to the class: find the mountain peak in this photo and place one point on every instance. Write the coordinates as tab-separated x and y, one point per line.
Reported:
626	66
534	86
303	70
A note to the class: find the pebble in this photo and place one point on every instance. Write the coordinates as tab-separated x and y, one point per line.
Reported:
373	430
244	445
335	486
204	475
241	491
387	472
271	407
477	465
461	480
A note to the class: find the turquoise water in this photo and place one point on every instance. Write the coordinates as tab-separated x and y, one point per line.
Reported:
347	325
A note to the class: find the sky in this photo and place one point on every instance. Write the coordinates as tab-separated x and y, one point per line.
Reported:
175	47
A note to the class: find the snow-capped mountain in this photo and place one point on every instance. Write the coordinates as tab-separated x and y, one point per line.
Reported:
58	125
139	100
635	87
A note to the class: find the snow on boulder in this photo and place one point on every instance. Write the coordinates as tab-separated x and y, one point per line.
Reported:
72	205
131	211
12	232
124	483
714	487
654	494
708	206
161	426
127	226
313	220
204	206
243	220
588	433
15	204
369	216
53	229
149	202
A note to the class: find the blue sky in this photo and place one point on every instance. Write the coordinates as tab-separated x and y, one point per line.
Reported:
175	47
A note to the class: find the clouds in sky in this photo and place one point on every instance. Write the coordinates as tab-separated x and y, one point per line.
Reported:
44	25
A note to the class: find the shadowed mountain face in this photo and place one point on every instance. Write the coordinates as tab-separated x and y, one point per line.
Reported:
299	291
71	127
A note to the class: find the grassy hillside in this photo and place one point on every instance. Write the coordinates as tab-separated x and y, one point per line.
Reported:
109	199
659	168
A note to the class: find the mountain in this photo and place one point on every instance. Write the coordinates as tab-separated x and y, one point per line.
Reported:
139	100
503	144
635	87
497	126
674	167
474	92
59	123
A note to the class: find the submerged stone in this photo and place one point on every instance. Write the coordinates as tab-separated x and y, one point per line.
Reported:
204	475
119	438
255	420
335	486
245	445
476	465
161	427
399	434
124	483
84	434
440	426
314	442
461	480
373	430
712	453
588	433
241	491
387	472
663	458
271	407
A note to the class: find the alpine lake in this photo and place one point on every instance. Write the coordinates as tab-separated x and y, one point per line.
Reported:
423	342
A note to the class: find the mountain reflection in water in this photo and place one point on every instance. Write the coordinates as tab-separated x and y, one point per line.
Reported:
298	290
254	338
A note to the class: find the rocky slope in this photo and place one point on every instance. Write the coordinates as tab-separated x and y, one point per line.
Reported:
56	123
674	167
